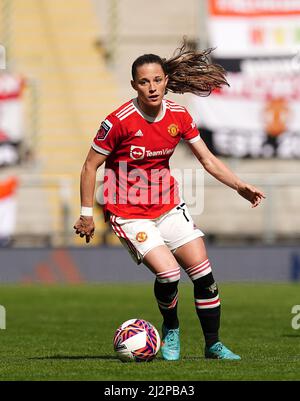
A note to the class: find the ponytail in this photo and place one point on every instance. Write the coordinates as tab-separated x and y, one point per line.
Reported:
191	71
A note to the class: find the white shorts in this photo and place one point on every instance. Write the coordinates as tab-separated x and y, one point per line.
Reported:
173	229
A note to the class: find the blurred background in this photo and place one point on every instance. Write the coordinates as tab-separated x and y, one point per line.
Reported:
65	65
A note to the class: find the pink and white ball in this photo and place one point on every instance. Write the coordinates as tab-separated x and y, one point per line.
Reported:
136	340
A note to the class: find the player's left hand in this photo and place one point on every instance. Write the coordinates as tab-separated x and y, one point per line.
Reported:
251	193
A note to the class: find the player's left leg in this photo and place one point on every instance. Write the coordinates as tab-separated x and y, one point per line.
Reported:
193	258
184	239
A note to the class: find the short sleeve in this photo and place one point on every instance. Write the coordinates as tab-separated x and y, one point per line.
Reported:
108	136
190	131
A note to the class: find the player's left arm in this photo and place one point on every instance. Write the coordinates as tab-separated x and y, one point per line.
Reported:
221	172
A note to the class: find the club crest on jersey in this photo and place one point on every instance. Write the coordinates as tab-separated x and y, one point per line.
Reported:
173	129
104	129
137	152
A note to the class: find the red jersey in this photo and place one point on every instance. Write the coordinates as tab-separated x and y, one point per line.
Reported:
138	182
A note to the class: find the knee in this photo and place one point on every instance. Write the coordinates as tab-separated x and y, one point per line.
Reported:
168	276
166	286
199	270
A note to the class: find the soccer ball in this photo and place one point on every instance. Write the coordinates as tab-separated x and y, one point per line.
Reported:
136	340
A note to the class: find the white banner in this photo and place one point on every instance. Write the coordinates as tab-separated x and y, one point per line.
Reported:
243	28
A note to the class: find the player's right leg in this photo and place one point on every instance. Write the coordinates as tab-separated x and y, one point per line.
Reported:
163	264
145	244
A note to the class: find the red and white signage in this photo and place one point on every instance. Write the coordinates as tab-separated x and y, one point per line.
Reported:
11	117
259	114
11	113
8	188
253	115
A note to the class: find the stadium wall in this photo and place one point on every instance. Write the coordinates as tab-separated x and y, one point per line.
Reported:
113	264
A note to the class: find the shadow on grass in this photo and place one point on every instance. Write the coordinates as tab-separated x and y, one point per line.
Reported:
103	357
73	357
182	358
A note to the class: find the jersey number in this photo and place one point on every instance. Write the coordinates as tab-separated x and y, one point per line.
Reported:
181	207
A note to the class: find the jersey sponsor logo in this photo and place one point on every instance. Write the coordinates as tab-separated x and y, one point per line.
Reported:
141	236
193	124
162	152
104	129
173	129
137	152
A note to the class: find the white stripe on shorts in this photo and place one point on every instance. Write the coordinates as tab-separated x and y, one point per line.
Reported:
121	233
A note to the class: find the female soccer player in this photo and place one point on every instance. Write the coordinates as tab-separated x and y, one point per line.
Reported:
141	197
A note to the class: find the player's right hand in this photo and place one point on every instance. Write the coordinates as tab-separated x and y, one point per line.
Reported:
85	227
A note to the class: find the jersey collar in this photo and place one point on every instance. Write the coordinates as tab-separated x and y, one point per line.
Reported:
149	118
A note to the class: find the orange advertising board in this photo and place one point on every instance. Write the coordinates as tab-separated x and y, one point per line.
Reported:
254	8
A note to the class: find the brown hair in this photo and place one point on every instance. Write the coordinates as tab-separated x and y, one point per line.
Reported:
188	71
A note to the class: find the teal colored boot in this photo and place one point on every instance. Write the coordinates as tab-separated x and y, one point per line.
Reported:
219	351
170	345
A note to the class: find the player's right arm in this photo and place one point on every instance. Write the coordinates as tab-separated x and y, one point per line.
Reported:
85	226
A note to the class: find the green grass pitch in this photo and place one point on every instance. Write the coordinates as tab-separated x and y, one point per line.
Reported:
65	333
